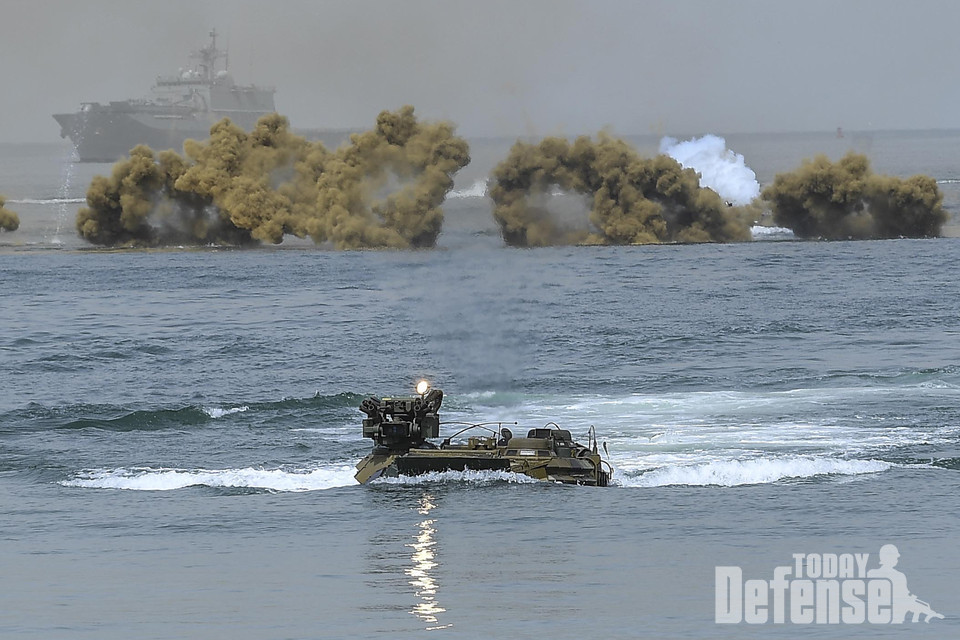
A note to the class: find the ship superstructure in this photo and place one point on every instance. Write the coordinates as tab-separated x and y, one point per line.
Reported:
180	106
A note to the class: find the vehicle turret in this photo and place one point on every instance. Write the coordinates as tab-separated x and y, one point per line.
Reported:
400	424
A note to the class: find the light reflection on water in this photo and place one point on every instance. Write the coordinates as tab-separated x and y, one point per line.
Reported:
428	610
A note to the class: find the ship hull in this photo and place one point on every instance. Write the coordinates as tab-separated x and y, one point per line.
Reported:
105	135
180	107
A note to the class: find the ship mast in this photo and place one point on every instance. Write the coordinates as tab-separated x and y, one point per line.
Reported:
208	57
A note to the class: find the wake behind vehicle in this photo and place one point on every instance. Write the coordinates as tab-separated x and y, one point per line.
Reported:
402	428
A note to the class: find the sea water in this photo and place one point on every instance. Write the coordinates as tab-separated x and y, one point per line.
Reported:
179	428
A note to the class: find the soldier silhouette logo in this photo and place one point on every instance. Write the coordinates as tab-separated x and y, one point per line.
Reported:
902	601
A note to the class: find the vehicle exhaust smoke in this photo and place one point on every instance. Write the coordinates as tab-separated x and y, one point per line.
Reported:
630	199
383	189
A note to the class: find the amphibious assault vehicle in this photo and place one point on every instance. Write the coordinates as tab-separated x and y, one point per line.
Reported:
401	429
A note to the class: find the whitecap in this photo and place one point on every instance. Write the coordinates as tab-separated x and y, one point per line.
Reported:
731	473
760	231
469	476
219	412
477	190
150	479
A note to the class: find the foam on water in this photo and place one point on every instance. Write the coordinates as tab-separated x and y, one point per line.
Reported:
219	412
477	477
760	232
480	394
741	437
477	190
734	416
731	473
721	438
725	437
150	479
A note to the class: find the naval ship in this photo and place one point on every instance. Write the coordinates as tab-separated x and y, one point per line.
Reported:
182	106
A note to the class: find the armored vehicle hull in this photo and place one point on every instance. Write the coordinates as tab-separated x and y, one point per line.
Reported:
401	428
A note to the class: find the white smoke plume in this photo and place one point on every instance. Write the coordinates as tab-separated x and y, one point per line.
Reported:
720	168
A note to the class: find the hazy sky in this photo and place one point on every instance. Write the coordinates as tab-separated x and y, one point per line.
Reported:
507	67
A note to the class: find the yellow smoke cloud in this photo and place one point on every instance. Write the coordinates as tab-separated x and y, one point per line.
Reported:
383	189
630	199
823	199
421	159
8	219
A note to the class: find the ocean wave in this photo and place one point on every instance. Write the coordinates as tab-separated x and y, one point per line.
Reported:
946	463
725	473
732	473
120	418
150	479
706	407
219	412
143	420
760	231
647	432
